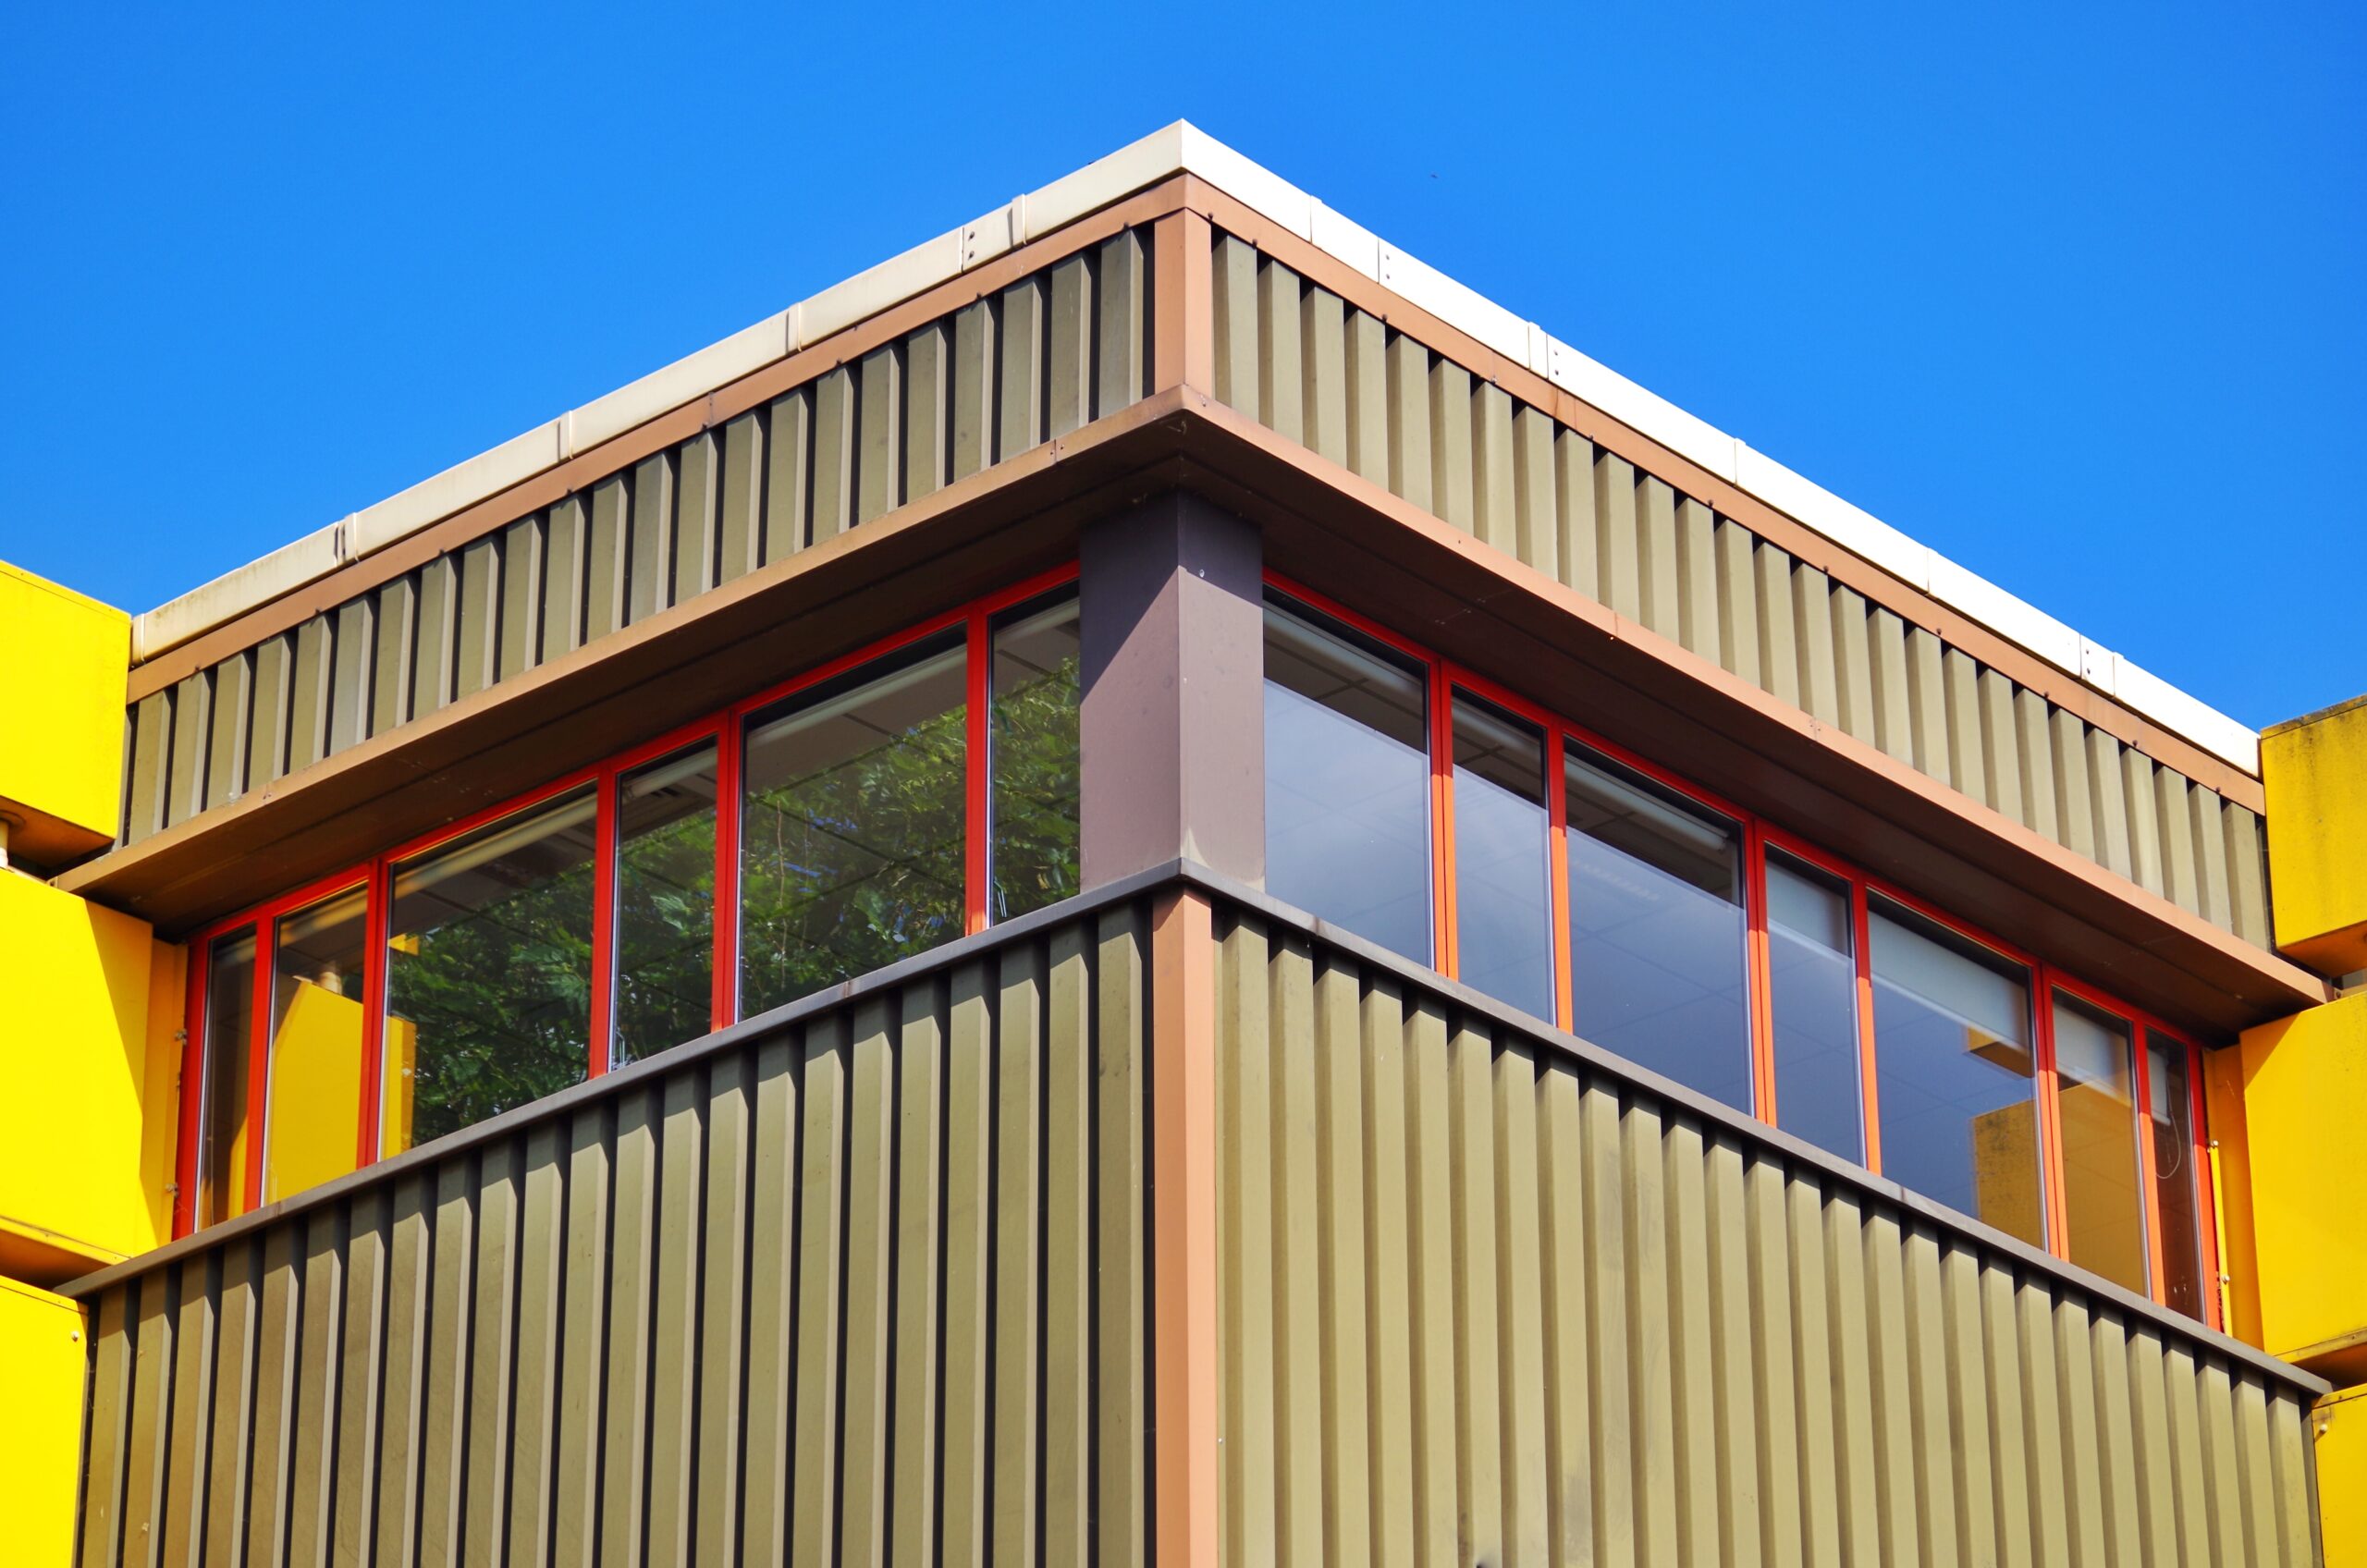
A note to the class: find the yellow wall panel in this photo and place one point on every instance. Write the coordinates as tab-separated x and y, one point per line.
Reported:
40	1366
61	730
2305	1109
2315	772
315	1091
2341	1426
77	1149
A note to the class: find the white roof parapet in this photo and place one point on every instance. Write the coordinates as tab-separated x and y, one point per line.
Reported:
1177	148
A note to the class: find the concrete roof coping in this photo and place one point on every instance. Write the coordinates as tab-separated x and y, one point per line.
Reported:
1182	148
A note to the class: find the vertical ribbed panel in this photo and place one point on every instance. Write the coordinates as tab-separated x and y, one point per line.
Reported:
739	1309
1482	1302
1034	362
1303	361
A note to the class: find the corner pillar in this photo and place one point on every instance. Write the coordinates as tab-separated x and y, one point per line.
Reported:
1173	710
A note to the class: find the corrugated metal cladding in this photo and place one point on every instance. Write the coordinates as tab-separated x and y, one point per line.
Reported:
869	1285
1023	366
1299	359
1479	1304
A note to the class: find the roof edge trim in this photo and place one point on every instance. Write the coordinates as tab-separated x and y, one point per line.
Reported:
1183	148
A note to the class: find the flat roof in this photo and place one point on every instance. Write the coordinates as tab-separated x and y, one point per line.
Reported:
1183	148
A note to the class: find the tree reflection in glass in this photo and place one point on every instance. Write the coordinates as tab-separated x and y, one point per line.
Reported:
852	828
1036	762
665	903
489	971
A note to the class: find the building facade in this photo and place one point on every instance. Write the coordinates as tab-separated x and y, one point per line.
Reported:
1151	885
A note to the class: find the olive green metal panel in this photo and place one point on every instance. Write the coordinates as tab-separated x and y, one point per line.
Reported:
697	517
520	643
398	611
972	434
565	557
192	722
834	454
789	457
1068	363
107	1431
927	390
1482	1300
191	1433
605	561
1297	358
1020	346
765	1299
877	436
1119	321
267	712
355	639
436	649
649	551
740	525
949	399
225	747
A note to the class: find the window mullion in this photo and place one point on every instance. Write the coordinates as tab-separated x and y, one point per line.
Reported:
601	1047
1861	939
259	1063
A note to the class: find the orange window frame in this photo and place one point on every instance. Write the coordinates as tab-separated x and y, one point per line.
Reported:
726	729
1755	836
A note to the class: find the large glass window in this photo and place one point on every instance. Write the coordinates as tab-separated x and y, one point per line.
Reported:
318	1029
1037	761
2104	1205
489	971
1347	783
222	1138
2175	1190
1657	928
1503	905
1812	975
665	991
1955	1075
853	831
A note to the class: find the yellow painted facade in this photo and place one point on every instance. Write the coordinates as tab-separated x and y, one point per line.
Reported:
2304	1083
2342	1476
2288	1111
42	1357
90	1010
61	735
2315	772
87	1070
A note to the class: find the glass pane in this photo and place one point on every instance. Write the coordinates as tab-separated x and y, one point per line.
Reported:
1036	763
1347	785
2175	1188
1812	966
2096	1098
1955	1076
490	973
229	1036
1657	929
1502	875
313	1118
665	904
851	834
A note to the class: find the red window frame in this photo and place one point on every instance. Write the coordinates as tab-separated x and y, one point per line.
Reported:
727	729
1442	677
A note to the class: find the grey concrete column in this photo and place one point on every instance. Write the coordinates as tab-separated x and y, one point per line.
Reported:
1173	719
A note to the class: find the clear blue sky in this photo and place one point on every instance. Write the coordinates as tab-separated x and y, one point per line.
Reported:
2077	296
